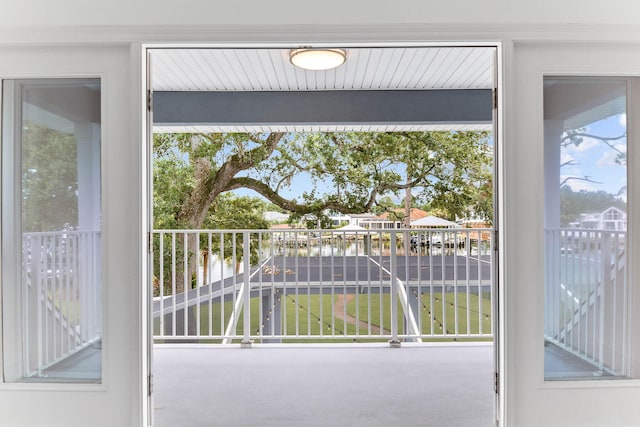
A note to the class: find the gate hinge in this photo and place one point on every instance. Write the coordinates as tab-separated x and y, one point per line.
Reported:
496	384
495	240
495	98
149	100
150	384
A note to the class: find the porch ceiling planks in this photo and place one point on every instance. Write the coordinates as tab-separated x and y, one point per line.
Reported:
257	69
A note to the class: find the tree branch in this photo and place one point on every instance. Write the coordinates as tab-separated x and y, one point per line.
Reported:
292	206
207	188
606	140
577	178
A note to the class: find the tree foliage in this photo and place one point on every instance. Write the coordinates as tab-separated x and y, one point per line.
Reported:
349	172
575	203
49	179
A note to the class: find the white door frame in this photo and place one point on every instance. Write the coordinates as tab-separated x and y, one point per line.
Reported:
499	194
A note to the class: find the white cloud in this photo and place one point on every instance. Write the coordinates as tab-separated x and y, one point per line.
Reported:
587	144
622	118
608	159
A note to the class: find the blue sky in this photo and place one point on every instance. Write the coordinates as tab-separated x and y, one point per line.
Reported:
303	183
593	158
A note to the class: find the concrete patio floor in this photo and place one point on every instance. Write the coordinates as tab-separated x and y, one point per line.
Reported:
330	385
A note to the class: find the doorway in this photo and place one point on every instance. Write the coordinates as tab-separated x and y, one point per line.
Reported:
445	92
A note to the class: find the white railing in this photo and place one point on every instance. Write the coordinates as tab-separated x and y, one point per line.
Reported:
585	294
61	296
322	285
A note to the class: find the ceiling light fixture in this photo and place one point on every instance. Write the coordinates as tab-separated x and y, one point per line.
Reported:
317	59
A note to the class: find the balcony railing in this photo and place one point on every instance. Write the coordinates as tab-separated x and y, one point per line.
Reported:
322	285
585	295
61	296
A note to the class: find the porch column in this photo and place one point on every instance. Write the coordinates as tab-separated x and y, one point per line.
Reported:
88	248
552	138
88	147
553	129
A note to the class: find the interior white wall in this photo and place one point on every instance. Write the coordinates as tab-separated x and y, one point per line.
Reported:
39	13
70	21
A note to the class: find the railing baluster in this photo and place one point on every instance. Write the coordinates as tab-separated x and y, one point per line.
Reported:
624	307
41	306
222	286
356	287
161	282
234	264
344	283
209	284
467	246
186	282
455	283
444	284
381	281
198	281
260	308
273	301
613	265
431	280
368	244
320	279
394	290
479	281
309	245
333	302
593	275
246	275
173	284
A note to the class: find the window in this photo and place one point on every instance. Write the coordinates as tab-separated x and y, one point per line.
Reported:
51	230
586	289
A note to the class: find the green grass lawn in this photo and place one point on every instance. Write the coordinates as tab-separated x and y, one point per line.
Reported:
312	315
305	315
436	316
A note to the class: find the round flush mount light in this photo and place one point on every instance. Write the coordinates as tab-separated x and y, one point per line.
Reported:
317	59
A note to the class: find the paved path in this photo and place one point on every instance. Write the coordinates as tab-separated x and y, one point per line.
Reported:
338	308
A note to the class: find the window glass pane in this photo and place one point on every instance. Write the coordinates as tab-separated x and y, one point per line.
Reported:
586	291
52	298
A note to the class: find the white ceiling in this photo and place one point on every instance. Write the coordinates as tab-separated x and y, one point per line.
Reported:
256	69
365	69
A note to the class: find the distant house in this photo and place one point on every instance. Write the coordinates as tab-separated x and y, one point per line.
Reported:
474	222
395	219
610	219
273	216
433	222
363	220
338	219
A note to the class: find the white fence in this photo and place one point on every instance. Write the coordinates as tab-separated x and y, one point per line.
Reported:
585	294
61	296
322	285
